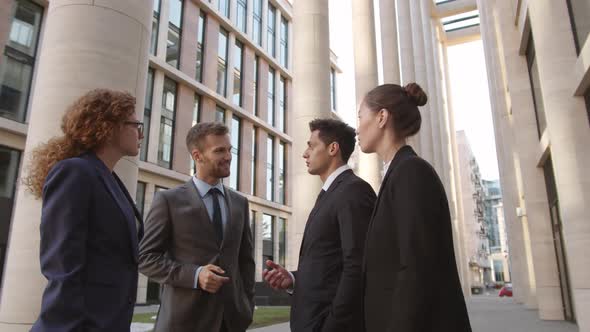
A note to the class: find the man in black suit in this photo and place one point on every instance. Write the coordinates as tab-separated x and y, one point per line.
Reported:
326	287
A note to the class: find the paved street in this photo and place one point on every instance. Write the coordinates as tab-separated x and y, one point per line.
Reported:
491	314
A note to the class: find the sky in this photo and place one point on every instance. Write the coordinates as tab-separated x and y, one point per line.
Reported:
471	103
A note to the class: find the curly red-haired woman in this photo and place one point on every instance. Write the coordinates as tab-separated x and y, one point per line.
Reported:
89	225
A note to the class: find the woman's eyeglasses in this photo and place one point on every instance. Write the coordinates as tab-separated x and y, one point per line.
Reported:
138	124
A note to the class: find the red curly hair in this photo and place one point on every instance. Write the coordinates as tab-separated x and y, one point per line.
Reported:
89	123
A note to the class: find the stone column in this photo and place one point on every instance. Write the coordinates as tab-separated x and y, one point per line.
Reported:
106	46
425	133
406	55
431	89
311	99
509	162
568	135
365	67
389	42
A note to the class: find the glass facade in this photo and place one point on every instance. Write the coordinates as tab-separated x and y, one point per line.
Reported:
9	169
174	33
18	61
222	63
167	124
234	177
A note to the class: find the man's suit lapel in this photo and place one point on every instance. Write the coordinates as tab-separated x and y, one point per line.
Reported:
232	215
198	210
318	205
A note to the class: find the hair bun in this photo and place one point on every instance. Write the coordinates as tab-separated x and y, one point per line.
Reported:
416	94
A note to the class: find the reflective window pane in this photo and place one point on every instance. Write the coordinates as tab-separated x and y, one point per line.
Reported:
271	21
200	47
234	176
271	97
238	57
282	232
282	170
167	123
270	157
268	238
222	63
9	169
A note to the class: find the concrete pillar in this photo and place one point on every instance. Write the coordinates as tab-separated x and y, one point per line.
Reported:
365	68
311	99
406	55
431	88
425	133
567	130
389	42
68	68
524	279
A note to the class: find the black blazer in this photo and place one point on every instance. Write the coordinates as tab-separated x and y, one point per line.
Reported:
328	279
410	278
88	252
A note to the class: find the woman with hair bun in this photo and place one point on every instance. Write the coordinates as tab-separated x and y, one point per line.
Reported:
90	227
410	278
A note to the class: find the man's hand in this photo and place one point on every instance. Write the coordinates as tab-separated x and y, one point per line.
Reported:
211	279
278	277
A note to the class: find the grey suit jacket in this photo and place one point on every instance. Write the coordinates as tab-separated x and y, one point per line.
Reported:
179	237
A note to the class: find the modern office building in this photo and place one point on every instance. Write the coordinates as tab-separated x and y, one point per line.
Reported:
536	57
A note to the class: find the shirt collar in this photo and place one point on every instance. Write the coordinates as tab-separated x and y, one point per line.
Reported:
334	175
203	187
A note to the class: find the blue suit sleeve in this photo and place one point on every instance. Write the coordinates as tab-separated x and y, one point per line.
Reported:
64	229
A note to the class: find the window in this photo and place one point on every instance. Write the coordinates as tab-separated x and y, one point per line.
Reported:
200	46
271	21
222	62
147	114
282	230
223	7
238	59
241	15
257	24
234	176
580	20
18	61
284	52
270	157
219	114
253	163
498	270
255	84
271	96
282	104
333	89
253	229
140	197
9	166
167	124
282	169
174	33
536	86
155	28
268	238
196	118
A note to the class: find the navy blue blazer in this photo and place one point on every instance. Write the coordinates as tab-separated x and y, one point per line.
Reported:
89	249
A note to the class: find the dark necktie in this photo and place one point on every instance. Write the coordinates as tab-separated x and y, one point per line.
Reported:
217	222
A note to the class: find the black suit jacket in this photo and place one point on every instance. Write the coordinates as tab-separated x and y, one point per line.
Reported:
410	275
89	254
327	281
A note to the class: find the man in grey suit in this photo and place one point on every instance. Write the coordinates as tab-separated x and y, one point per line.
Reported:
198	244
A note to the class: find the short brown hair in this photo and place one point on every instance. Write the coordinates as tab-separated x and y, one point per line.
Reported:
331	131
197	134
